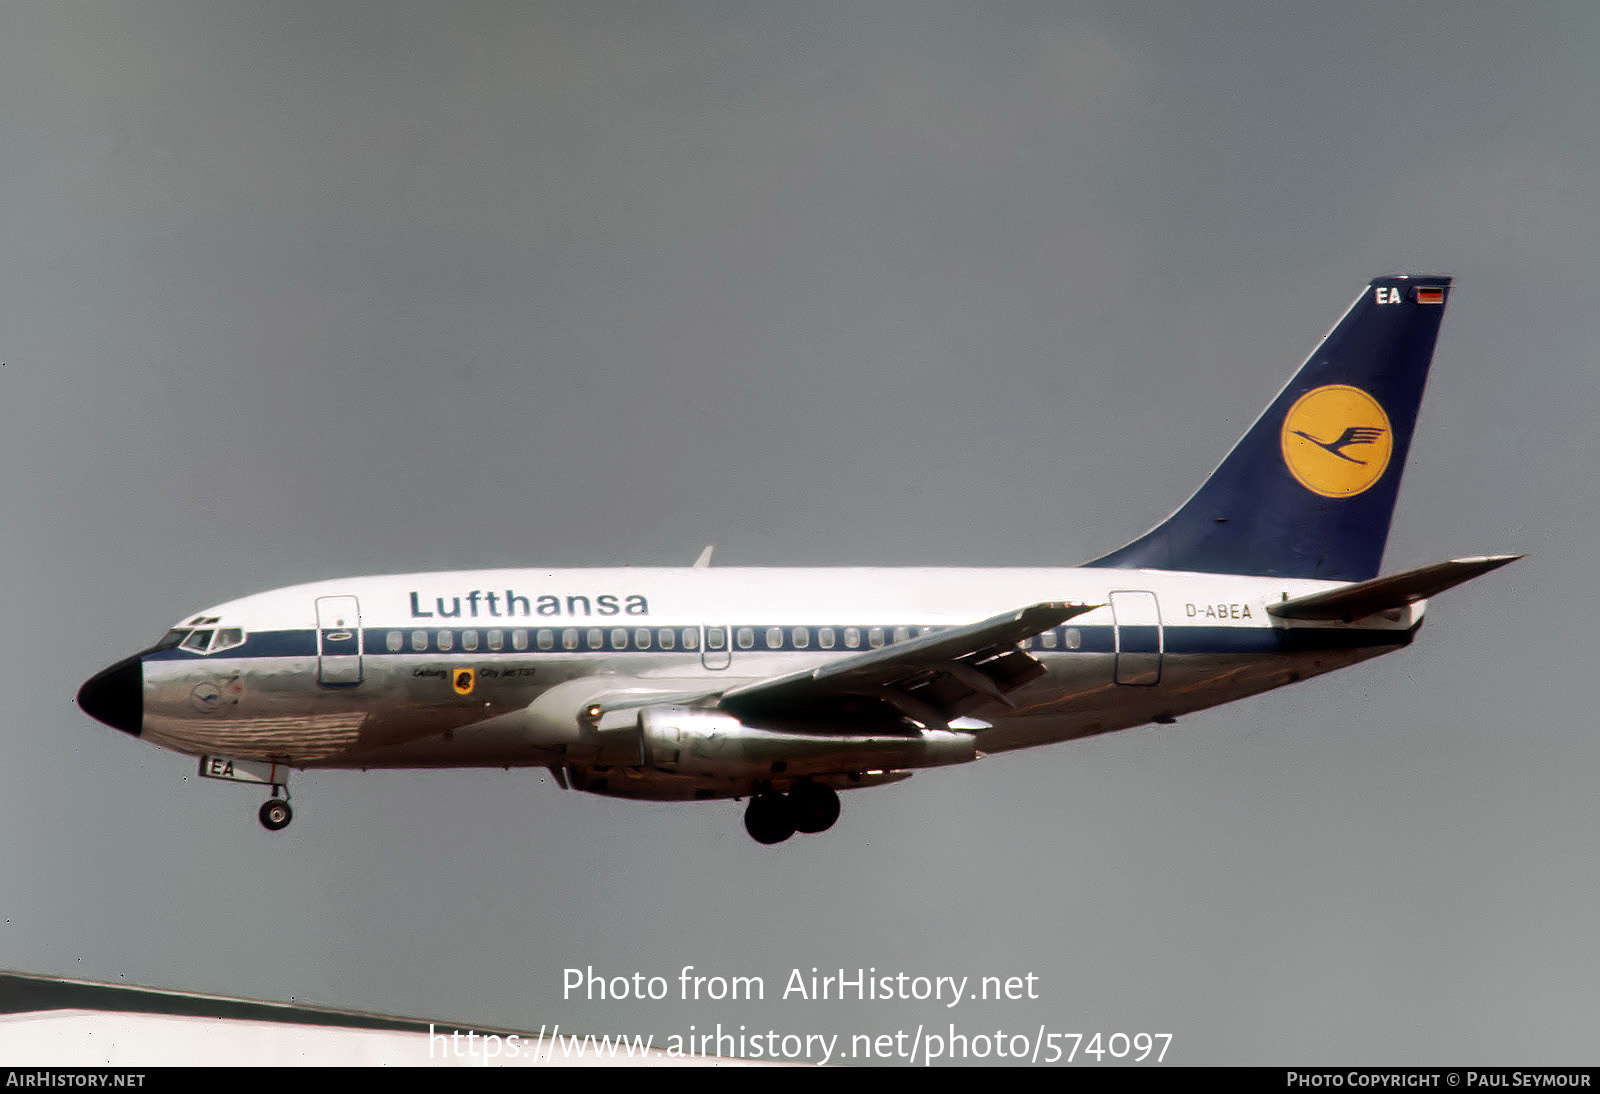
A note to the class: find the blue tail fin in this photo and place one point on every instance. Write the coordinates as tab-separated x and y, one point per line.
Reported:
1310	490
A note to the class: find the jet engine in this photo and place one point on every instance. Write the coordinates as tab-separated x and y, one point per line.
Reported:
688	741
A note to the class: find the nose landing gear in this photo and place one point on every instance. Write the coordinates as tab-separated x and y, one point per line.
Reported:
275	814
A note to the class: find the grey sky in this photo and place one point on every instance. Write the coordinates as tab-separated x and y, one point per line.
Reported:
291	291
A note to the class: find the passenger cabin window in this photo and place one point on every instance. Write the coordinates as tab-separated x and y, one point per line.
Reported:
669	638
691	638
419	640
447	640
569	638
746	638
497	640
852	638
1048	639
801	637
395	641
469	640
519	640
875	637
901	634
619	638
774	638
597	638
547	640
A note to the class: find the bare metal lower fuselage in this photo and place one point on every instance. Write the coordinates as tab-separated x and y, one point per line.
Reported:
401	717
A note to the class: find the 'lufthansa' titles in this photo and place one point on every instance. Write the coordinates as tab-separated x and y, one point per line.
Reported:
479	604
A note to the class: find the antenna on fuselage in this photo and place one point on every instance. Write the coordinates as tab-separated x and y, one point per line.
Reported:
704	560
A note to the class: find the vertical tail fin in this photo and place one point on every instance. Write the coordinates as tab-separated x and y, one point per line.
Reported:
1310	489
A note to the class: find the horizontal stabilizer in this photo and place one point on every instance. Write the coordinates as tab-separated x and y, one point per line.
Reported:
1383	593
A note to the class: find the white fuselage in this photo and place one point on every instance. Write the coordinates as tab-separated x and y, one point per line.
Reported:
457	669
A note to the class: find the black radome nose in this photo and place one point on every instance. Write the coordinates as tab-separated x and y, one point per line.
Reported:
115	695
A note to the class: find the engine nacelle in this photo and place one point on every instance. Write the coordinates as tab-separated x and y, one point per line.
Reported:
687	741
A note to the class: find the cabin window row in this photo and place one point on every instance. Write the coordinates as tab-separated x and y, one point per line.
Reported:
570	638
681	638
650	638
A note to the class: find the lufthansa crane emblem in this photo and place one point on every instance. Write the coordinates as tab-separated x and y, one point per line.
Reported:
1337	441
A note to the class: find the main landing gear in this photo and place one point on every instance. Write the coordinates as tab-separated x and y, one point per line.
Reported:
808	807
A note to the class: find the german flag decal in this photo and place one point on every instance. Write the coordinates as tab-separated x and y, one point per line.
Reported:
463	680
1430	295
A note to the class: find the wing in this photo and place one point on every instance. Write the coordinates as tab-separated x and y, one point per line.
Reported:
929	679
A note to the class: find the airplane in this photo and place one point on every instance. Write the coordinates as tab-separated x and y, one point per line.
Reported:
786	686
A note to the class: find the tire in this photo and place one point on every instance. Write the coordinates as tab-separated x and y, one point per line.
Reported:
275	815
814	806
769	819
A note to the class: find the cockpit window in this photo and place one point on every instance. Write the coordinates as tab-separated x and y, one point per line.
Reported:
201	641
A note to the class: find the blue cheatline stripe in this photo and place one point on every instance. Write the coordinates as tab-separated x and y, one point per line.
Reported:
1067	639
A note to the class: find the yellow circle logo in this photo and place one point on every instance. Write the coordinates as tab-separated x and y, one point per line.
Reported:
1336	441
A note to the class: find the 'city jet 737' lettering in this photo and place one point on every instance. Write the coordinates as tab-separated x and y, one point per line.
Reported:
787	686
